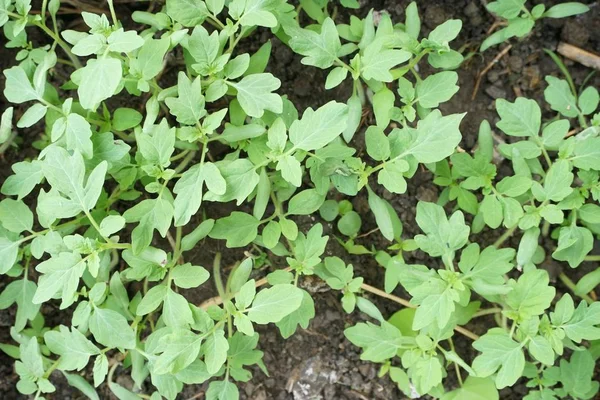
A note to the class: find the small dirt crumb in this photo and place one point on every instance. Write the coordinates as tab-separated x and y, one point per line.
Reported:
493	76
575	33
426	193
435	15
471	9
495	92
515	63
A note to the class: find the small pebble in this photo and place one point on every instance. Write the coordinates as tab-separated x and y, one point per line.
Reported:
495	92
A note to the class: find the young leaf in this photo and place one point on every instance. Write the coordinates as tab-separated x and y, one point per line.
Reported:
275	303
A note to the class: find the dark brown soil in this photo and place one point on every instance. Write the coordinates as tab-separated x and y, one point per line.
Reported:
318	363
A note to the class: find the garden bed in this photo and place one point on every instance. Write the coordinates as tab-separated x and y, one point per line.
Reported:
319	362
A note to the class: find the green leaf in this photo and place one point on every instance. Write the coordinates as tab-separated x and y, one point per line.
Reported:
189	190
21	292
335	77
305	203
215	350
588	100
376	61
6	124
239	229
320	49
179	350
15	216
61	273
582	324
111	329
254	94
474	388
541	349
190	240
318	128
436	137
587	154
33	114
413	22
100	369
379	343
443	235
436	89
574	243
187	12
531	294
99	80
152	214
557	184
491	209
189	276
152	300
82	385
255	12
559	95
240	180
507	9
111	224
378	145
176	311
275	303
300	317
188	107
446	32
436	303
555	132
222	390
27	176
565	10
387	220
66	174
291	170
499	352
78	133
123	41
514	186
576	375
9	251
18	89
521	118
73	347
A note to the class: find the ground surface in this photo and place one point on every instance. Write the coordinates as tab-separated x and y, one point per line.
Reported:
319	363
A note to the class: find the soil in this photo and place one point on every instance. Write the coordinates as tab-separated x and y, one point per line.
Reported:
318	363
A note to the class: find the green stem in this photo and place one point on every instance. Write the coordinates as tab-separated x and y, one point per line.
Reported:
573	288
217	276
113	14
489	311
456	366
504	237
188	158
592	258
52	368
53	36
96	226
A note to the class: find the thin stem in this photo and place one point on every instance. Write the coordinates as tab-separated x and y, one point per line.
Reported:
188	158
572	287
406	303
456	366
504	237
96	226
217	276
113	14
592	258
489	311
